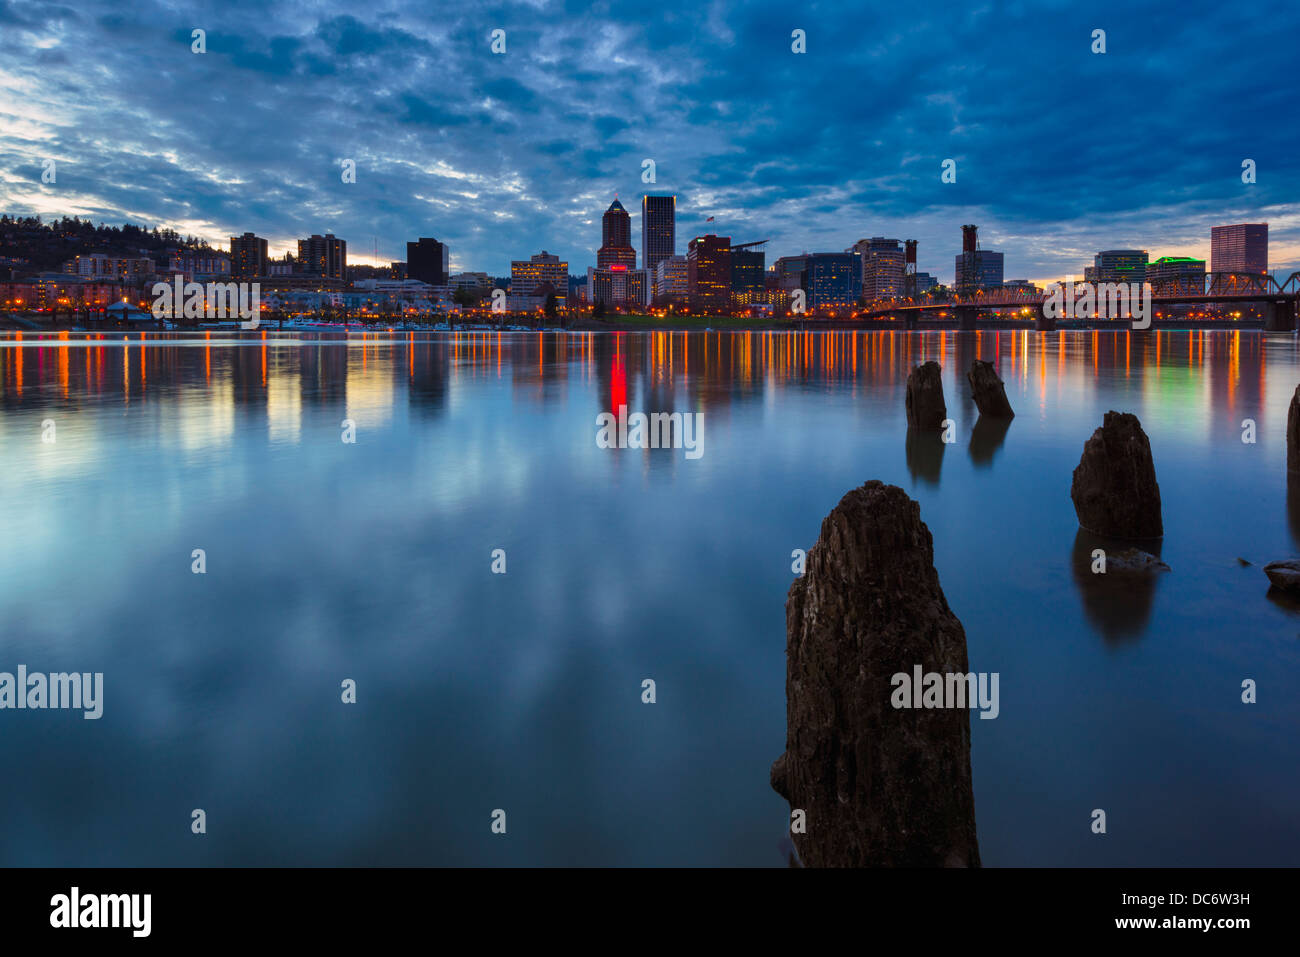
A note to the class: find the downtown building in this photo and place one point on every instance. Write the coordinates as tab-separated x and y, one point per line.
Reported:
789	270
427	261
248	256
536	278
672	280
618	287
1117	265
1242	248
748	275
708	266
125	269
882	267
832	280
1180	271
658	230
325	256
616	239
978	269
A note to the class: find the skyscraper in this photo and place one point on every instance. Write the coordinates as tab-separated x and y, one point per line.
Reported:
616	238
325	256
427	261
658	230
882	267
247	256
1240	248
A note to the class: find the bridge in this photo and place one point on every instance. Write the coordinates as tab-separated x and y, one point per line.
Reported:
1278	299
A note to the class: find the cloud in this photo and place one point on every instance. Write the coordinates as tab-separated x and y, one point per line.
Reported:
1059	151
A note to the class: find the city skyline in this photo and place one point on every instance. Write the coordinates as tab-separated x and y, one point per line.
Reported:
533	143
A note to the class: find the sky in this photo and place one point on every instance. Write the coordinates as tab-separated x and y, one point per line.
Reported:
1059	151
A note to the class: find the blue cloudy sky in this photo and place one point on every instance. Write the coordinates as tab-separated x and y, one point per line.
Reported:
1060	152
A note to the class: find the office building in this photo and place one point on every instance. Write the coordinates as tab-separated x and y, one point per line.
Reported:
832	280
1242	248
1117	265
616	238
528	275
658	230
748	273
1183	271
708	264
617	287
672	280
979	269
427	260
882	267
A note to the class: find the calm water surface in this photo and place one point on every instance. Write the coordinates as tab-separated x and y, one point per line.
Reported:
522	691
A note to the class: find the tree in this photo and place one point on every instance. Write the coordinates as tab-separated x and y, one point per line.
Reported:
552	306
463	297
598	310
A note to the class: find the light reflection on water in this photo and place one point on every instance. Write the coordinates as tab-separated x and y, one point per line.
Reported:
521	691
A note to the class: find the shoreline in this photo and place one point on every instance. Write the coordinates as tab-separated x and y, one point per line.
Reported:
635	324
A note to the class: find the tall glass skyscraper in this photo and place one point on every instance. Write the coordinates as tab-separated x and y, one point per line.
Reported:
658	230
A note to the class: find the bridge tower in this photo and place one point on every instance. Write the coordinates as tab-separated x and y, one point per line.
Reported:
1279	315
909	268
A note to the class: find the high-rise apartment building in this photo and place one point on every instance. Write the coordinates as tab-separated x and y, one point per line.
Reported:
325	256
248	256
